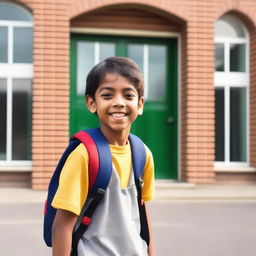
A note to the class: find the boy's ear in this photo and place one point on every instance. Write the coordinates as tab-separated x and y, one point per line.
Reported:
90	103
141	105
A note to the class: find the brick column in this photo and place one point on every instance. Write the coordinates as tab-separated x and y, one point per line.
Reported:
198	98
50	127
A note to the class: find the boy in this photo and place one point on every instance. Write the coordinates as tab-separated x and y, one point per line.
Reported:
114	92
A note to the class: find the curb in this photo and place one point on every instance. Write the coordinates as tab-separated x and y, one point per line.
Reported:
165	191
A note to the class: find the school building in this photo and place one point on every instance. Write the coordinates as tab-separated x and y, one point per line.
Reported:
199	64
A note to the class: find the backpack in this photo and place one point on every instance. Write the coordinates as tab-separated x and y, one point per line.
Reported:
100	170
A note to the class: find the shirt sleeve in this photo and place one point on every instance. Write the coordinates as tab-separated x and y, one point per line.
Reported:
73	184
148	191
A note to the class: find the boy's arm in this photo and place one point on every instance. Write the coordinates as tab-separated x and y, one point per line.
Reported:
62	230
151	247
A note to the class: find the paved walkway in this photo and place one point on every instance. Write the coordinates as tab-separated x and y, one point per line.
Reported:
164	191
221	218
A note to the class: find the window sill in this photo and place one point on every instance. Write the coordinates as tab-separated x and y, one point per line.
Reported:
233	169
16	166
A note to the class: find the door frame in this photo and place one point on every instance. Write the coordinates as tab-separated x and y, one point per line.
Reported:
150	34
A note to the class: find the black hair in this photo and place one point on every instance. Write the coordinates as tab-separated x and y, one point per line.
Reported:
118	65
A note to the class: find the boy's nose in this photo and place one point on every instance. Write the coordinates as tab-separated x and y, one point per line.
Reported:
119	102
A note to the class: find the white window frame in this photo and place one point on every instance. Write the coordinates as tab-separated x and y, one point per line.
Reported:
10	71
226	79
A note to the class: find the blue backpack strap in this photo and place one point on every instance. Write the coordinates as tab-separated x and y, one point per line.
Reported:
105	160
139	161
138	155
49	211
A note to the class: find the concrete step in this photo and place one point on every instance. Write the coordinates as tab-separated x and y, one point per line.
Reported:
185	191
172	184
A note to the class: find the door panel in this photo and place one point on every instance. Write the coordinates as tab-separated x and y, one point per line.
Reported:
157	59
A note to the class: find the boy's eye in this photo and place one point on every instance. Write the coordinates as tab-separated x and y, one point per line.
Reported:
129	95
106	95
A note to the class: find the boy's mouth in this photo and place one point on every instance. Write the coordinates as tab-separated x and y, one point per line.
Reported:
118	115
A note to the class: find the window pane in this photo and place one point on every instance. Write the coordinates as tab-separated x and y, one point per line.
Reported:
157	72
107	50
3	45
22	45
3	102
14	12
135	52
237	57
219	57
85	61
219	125
238	125
21	119
156	63
229	26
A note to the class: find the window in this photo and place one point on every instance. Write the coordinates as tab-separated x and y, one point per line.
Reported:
16	73
231	90
151	59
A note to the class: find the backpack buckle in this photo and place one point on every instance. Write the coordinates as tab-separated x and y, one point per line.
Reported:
86	221
99	194
141	182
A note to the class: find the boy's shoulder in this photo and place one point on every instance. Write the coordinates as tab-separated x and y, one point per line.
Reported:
148	151
80	150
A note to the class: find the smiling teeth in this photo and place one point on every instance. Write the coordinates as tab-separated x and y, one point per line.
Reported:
118	114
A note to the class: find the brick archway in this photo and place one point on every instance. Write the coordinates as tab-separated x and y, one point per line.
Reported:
79	7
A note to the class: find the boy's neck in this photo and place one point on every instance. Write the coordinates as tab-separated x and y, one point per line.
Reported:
118	138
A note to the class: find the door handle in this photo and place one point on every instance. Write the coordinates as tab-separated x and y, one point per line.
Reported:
169	120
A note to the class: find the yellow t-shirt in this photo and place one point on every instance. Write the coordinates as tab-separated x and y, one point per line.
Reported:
73	186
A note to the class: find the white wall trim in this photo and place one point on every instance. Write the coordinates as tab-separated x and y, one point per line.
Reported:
16	23
124	32
145	69
16	70
235	169
15	166
9	121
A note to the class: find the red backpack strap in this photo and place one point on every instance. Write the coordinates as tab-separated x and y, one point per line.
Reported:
93	155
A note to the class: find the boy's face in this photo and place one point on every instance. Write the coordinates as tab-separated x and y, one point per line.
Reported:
116	103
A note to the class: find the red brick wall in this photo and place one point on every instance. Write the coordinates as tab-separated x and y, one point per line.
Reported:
51	79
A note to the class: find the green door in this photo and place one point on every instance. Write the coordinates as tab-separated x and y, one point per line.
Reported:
157	58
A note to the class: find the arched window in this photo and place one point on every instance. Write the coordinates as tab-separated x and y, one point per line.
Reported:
231	92
16	73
